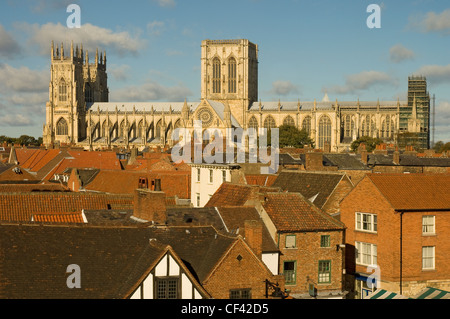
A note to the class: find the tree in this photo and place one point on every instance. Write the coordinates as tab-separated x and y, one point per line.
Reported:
437	146
370	142
290	136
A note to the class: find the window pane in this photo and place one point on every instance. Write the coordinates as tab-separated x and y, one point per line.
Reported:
325	241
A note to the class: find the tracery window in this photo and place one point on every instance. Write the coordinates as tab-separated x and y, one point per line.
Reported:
269	122
216	76
324	131
306	124
62	89
289	121
232	76
61	127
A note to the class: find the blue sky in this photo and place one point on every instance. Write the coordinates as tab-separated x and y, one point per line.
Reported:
306	48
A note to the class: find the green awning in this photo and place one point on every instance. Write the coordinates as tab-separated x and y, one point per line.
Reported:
433	293
384	294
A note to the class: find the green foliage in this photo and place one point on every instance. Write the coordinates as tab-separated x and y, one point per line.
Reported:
22	140
440	147
370	142
290	136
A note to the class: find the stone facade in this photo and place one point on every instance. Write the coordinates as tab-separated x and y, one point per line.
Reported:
78	111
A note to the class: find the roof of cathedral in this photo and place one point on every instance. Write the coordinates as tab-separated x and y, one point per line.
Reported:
309	105
140	106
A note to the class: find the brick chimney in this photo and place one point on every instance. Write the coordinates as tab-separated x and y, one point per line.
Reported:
363	151
150	205
396	158
314	161
253	235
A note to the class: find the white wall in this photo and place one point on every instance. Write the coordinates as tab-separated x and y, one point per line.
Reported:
205	188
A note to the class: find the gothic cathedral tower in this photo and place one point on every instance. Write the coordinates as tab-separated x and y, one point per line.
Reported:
229	73
74	85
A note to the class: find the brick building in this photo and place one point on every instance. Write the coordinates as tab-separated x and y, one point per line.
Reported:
400	223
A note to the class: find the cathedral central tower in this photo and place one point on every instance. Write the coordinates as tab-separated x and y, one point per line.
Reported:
229	72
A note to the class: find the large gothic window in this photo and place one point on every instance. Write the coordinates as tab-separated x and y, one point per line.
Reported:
288	120
306	124
62	91
387	127
61	127
367	126
253	123
348	125
216	75
269	122
324	131
232	76
88	94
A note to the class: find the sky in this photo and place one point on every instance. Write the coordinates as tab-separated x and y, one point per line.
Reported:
306	49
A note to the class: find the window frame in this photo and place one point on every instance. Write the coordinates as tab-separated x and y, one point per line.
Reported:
167	280
286	241
360	253
241	293
319	272
328	241
432	257
224	176
211	176
294	272
198	175
373	222
433	225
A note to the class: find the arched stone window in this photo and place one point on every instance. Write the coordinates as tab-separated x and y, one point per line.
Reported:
122	129
288	120
104	129
269	122
232	76
88	94
216	76
306	124
349	125
253	123
140	130
387	127
61	127
324	131
62	90
367	126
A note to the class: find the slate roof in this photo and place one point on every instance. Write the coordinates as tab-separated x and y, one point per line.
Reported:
346	161
234	219
408	160
291	212
414	191
20	207
317	186
34	258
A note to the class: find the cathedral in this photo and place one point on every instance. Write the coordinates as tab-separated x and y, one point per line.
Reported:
79	112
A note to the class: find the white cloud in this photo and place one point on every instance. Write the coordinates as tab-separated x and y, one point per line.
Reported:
15	120
155	28
166	3
362	81
22	79
284	88
9	48
436	74
91	36
398	53
151	91
432	22
119	72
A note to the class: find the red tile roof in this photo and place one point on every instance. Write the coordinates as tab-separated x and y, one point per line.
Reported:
59	218
414	191
291	212
229	194
173	183
262	180
20	207
26	188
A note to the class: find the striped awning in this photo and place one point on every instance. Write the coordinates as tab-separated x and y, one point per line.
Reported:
385	294
433	293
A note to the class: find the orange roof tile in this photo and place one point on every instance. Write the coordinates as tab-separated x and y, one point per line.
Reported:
291	212
262	180
414	191
20	207
72	218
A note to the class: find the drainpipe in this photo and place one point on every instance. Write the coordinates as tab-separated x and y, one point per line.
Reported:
401	251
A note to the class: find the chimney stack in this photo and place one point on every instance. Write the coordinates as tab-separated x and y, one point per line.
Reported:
314	161
396	158
253	236
150	206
